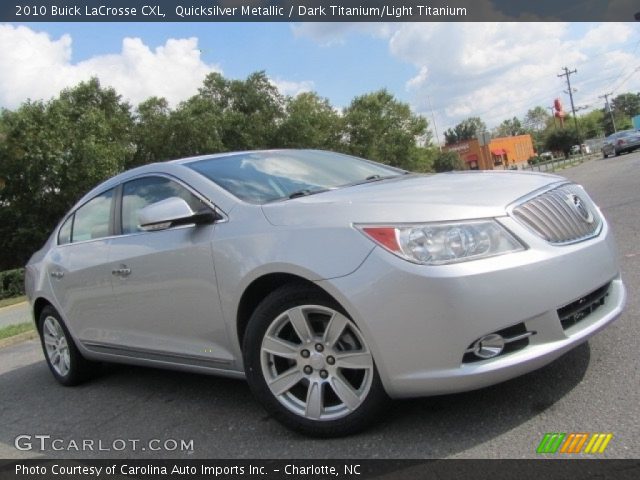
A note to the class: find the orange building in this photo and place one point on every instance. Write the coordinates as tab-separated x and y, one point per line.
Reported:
501	153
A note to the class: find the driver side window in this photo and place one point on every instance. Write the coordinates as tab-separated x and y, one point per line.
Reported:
141	192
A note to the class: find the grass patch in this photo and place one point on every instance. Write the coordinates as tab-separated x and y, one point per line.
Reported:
5	302
12	330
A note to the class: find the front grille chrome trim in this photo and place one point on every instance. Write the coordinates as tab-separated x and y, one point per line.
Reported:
551	214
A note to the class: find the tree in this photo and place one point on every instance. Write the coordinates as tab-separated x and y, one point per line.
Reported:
251	110
562	140
627	104
51	154
196	127
447	161
310	122
379	127
536	119
465	130
592	124
510	128
152	132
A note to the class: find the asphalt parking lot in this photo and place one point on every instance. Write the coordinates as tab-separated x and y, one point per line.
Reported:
594	388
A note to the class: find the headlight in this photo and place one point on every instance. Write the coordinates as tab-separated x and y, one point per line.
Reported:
444	243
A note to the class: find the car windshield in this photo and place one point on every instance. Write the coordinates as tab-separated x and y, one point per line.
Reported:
262	177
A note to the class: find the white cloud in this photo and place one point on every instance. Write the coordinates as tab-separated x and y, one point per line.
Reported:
500	70
36	66
292	88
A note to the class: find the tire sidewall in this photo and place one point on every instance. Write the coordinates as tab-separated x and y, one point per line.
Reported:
75	374
269	309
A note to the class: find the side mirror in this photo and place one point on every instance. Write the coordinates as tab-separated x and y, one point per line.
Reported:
171	212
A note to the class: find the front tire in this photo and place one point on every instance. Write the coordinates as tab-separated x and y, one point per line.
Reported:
66	363
309	365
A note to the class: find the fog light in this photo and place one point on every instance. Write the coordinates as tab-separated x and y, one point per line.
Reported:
488	346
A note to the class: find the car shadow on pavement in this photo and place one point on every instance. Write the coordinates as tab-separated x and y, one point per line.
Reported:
223	420
460	421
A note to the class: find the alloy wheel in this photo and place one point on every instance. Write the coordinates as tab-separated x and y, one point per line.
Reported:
316	362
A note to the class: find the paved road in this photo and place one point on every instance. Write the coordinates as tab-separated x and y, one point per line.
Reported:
14	314
594	388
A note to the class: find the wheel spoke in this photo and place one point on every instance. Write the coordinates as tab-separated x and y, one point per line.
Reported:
65	364
55	357
49	339
285	381
279	347
357	360
300	324
51	328
345	392
335	328
314	401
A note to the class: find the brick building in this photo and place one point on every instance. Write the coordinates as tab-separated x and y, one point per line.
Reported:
501	153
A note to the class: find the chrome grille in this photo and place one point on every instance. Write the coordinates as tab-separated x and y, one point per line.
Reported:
562	215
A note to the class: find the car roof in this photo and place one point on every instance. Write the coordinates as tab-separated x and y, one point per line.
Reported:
187	160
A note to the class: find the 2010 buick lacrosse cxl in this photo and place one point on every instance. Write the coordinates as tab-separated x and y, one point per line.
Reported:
331	283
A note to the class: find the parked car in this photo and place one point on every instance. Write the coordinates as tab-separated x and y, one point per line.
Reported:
619	142
329	282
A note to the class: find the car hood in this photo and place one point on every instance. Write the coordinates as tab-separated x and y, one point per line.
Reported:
411	198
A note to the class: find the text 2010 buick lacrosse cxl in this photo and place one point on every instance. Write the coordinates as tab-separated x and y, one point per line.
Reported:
329	282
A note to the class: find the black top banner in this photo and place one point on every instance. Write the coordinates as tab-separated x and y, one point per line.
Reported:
317	10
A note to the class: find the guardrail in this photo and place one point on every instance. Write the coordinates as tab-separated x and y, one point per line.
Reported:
559	163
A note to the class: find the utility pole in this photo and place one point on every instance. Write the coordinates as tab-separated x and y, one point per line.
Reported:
608	107
567	73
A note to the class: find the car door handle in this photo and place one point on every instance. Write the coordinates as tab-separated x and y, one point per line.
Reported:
57	274
123	271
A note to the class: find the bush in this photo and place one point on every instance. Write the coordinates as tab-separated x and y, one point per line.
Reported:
447	161
12	283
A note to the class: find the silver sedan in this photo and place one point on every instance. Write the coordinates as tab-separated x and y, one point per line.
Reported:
619	142
331	283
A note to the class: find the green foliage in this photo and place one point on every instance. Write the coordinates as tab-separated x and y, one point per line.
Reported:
12	283
562	140
510	128
627	104
592	124
310	122
447	161
378	127
465	130
249	111
17	329
50	155
536	119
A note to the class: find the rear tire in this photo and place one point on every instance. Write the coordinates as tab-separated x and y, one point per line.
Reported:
66	363
309	365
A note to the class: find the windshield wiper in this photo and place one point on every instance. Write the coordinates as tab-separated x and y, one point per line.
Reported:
306	192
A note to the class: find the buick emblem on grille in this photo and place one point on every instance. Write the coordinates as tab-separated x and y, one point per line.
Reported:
576	204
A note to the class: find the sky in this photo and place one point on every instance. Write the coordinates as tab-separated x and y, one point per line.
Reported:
445	71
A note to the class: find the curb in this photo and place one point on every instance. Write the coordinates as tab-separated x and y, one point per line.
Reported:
21	337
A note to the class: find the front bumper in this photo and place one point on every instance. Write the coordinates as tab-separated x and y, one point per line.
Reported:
420	320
